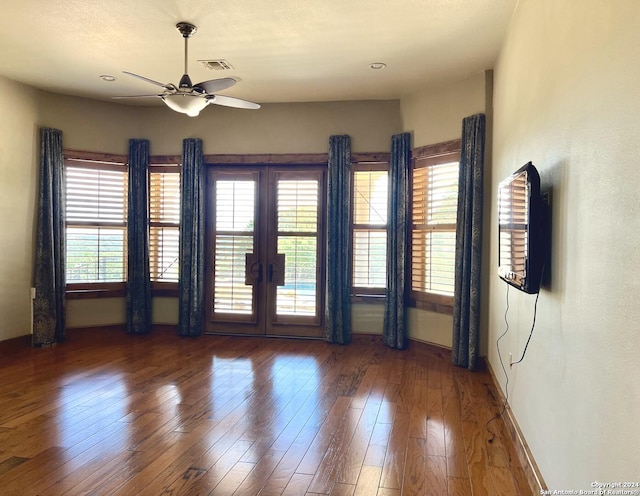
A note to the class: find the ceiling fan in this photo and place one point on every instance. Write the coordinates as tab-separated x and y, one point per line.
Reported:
188	98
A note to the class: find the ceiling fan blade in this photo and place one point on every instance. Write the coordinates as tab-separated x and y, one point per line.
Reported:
135	96
214	85
165	86
229	101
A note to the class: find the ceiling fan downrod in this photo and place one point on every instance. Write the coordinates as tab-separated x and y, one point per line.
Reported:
186	30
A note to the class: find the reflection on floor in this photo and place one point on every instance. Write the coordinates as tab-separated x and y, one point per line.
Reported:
106	413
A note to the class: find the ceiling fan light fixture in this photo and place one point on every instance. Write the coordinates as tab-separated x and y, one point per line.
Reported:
188	98
185	103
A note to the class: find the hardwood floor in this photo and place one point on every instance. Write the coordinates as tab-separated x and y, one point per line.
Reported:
105	413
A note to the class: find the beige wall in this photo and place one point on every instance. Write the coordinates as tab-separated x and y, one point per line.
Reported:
89	124
566	97
275	128
434	115
19	142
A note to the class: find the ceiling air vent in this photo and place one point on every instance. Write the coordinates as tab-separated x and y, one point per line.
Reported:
216	65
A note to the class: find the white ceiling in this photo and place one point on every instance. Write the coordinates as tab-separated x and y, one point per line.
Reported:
281	51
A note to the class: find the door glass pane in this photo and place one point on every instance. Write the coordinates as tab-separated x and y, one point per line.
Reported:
234	238
298	295
298	206
297	225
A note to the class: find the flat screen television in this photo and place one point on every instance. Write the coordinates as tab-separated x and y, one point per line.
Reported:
521	232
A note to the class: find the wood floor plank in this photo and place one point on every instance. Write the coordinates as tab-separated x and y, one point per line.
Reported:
318	448
298	484
368	482
375	455
107	413
327	472
418	419
454	437
233	479
385	491
342	489
394	462
458	487
436	476
503	480
10	463
414	480
436	436
259	475
481	482
204	475
353	457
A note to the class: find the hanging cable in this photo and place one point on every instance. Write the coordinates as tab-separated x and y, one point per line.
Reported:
504	370
535	311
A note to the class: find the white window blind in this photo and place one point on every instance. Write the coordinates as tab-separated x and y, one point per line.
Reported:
164	223
96	221
234	238
433	236
297	231
370	228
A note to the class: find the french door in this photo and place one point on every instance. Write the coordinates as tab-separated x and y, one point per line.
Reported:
265	250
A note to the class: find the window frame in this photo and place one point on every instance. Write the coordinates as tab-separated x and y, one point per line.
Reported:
429	156
105	161
362	292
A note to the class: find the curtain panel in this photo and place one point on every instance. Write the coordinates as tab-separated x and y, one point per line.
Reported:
466	301
191	254
338	304
138	277
49	276
395	333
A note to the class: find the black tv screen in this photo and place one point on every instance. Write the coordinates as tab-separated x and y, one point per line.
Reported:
521	236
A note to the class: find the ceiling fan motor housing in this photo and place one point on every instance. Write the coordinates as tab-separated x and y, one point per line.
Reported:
185	82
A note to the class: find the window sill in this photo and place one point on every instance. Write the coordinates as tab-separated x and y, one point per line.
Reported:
432	303
368	299
158	289
85	294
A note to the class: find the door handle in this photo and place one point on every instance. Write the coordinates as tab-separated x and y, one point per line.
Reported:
275	272
253	270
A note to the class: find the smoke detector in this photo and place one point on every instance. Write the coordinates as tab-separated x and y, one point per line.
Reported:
216	65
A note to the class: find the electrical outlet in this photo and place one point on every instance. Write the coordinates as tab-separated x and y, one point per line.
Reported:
510	359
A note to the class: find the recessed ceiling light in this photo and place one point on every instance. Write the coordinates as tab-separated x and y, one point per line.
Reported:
377	66
107	77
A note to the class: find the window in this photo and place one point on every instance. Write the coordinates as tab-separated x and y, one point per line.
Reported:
369	221
164	222
96	222
433	224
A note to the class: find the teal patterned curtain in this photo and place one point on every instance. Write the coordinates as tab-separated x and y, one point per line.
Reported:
191	277
138	279
338	306
49	277
395	333
466	300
